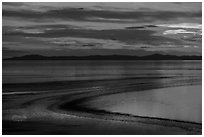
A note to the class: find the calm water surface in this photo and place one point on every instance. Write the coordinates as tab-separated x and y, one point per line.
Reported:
38	71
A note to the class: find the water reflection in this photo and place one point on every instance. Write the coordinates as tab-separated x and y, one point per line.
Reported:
38	71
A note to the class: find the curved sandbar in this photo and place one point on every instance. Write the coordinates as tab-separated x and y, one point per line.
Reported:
177	103
63	111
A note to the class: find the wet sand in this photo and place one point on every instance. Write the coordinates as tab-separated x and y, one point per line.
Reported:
65	110
177	103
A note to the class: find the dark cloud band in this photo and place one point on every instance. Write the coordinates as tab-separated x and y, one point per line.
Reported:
85	15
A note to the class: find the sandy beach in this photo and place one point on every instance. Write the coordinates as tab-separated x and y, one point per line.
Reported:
176	103
81	110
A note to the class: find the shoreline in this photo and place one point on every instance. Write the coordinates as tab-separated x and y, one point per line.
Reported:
25	112
180	99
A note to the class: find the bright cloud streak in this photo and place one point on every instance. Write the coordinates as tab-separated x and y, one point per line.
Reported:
182	31
182	25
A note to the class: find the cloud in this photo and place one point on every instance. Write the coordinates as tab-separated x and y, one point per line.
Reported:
96	15
111	6
133	36
62	27
84	43
182	25
182	31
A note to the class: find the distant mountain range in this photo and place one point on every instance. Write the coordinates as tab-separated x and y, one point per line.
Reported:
107	57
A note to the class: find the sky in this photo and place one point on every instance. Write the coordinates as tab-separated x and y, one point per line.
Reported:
104	28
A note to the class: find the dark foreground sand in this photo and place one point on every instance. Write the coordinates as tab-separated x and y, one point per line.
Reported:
61	108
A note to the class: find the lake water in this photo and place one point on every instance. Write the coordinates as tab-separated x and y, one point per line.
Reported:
41	71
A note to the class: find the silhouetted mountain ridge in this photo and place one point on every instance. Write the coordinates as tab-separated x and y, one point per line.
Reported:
107	57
